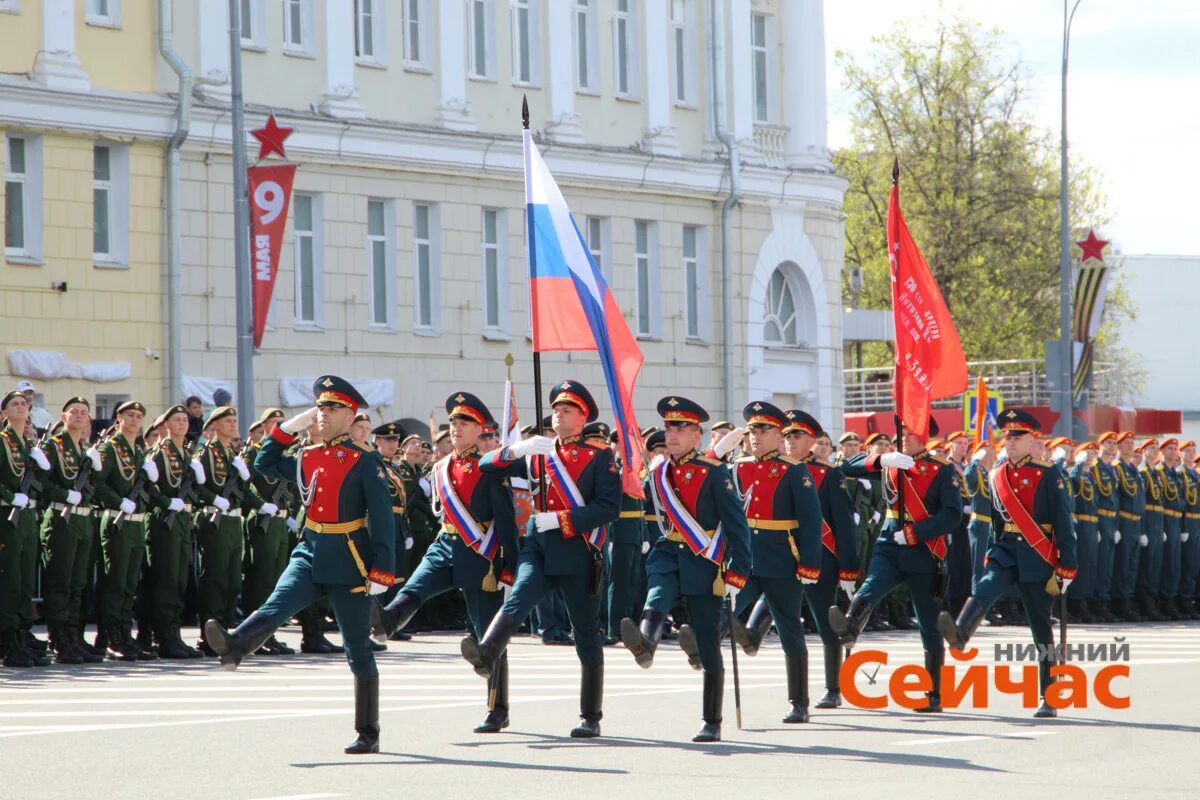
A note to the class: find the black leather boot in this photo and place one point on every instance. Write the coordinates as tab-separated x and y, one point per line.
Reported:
233	647
849	625
366	716
484	654
168	647
132	644
64	648
591	701
933	665
119	648
1149	609
279	647
750	636
15	654
85	650
177	636
797	681
386	621
958	633
497	716
687	643
833	670
714	697
312	638
642	640
1045	710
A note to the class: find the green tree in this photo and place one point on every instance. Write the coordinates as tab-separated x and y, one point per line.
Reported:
979	185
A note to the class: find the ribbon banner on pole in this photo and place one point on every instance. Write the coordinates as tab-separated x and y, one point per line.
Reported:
270	190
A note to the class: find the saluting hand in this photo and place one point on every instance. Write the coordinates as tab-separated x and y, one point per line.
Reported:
728	443
299	422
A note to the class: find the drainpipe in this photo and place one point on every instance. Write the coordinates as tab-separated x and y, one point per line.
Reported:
716	46
174	277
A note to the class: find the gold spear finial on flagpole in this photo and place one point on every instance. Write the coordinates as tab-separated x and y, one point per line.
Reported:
508	362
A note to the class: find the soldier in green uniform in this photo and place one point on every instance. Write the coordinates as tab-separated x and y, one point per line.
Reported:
414	472
219	522
1087	529
266	538
1033	544
67	532
1174	505
1129	528
1108	500
1149	572
123	487
348	549
1190	538
18	536
387	442
627	540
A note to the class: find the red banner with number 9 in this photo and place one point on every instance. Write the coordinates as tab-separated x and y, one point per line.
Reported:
270	190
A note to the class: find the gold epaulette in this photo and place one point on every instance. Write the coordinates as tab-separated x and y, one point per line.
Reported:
704	459
789	460
1039	462
745	460
937	459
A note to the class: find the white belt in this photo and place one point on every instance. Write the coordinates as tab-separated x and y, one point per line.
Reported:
140	516
32	506
79	511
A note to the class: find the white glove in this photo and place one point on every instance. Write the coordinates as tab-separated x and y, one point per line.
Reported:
865	482
240	465
980	455
176	504
1143	540
1081	457
221	503
74	498
949	539
94	456
300	421
857	518
20	500
1066	582
897	460
847	587
378	588
197	469
875	517
808	581
127	506
1116	537
1060	454
646	547
1164	536
1097	537
732	591
656	461
545	520
1183	537
151	470
408	543
898	538
270	509
727	443
40	459
533	446
293	526
425	487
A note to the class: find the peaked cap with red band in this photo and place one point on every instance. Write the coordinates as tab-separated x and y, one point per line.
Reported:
332	389
760	412
468	406
575	393
681	409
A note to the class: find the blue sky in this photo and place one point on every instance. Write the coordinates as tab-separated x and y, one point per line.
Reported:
1133	91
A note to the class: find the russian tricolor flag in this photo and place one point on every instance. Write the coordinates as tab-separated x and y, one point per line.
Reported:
573	308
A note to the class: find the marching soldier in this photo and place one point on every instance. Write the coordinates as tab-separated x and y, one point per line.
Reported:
123	488
267	528
1174	505
563	548
870	512
387	442
704	554
1190	537
312	617
1150	559
67	541
347	550
219	522
1129	528
477	549
627	536
979	527
1108	501
1087	530
909	551
1034	543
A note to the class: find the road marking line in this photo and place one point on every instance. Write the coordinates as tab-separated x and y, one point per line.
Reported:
975	738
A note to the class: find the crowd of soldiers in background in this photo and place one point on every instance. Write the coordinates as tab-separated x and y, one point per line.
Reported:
160	523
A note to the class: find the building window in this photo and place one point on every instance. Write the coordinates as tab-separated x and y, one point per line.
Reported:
694	307
252	27
479	39
16	198
525	38
645	260
10	6
683	58
416	31
583	37
495	273
760	50
297	26
598	245
780	326
381	264
427	301
110	204
306	230
101	201
369	38
625	63
103	13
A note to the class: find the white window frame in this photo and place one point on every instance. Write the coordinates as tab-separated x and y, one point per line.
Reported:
94	16
763	54
429	244
587	79
378	22
597	235
416	29
257	40
625	25
488	35
647	259
30	251
317	237
117	189
499	329
683	53
531	32
388	240
303	47
695	280
10	6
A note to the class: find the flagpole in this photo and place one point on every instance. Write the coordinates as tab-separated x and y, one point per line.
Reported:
537	356
899	400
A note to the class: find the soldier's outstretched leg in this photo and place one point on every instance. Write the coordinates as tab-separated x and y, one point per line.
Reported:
750	636
849	625
387	620
245	639
643	640
958	632
714	697
484	654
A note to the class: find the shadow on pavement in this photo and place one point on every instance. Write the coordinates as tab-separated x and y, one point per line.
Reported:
421	760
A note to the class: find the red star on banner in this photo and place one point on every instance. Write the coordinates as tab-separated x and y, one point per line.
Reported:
1092	247
271	138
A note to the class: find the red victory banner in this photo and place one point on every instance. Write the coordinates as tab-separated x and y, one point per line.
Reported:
930	363
270	191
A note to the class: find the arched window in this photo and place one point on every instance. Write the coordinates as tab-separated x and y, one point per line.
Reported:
779	327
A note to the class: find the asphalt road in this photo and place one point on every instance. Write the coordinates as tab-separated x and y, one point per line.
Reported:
276	728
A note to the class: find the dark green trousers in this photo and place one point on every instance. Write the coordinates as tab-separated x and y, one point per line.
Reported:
170	554
122	551
267	547
18	562
220	566
66	556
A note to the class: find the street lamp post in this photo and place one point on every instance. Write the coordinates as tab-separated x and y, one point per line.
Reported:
1066	395
241	230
